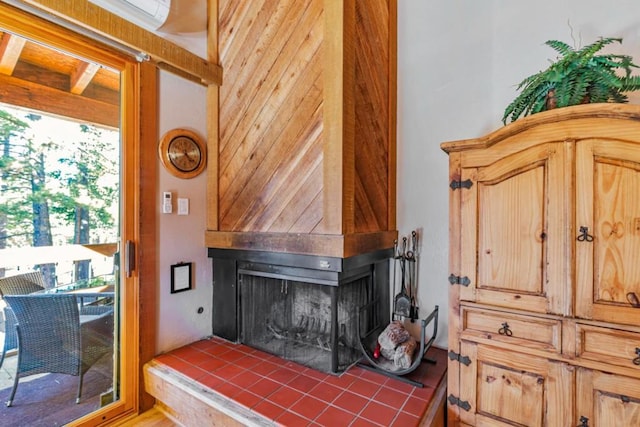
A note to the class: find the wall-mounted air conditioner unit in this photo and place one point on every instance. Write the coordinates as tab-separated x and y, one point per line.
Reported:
149	14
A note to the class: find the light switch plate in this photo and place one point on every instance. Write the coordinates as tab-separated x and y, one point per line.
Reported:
183	206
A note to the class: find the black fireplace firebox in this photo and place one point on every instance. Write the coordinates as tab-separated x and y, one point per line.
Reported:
302	308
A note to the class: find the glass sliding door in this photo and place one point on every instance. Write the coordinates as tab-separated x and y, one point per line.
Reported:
68	163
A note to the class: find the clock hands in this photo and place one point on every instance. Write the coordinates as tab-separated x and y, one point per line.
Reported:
185	158
182	153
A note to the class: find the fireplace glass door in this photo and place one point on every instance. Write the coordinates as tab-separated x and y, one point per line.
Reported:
308	323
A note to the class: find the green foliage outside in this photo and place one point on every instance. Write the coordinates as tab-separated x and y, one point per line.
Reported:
58	181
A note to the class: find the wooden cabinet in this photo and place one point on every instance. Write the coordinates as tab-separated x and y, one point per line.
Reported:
545	274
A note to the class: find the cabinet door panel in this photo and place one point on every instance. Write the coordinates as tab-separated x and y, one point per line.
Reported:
510	394
513	223
607	399
512	389
608	203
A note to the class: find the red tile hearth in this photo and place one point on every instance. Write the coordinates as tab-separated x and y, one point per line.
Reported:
293	395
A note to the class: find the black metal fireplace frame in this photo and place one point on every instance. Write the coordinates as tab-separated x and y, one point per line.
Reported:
230	264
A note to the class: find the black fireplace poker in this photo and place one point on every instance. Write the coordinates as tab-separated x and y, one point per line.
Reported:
406	258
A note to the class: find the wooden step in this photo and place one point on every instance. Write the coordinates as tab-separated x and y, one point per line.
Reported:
191	404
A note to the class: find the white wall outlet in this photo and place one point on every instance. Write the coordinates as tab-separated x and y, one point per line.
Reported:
166	202
183	206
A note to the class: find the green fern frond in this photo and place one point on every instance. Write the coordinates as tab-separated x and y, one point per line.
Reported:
561	47
531	100
539	97
521	105
514	110
599	92
564	91
577	76
619	97
623	99
607	77
578	90
589	51
531	80
626	62
539	105
630	83
613	62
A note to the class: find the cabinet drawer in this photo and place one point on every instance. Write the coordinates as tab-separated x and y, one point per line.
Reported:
607	345
530	331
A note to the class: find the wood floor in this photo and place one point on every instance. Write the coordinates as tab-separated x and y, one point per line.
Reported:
151	418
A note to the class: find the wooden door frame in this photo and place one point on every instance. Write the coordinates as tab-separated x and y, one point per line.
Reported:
148	237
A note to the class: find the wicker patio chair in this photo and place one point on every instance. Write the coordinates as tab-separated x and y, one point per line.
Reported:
20	284
52	339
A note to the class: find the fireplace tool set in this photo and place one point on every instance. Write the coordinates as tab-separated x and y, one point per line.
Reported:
404	303
405	260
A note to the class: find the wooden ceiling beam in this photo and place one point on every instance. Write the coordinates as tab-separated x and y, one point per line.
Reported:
10	49
42	76
60	103
82	76
163	53
102	94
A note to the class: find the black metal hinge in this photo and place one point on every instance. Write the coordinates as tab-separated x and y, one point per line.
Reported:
584	422
456	185
462	359
458	280
461	403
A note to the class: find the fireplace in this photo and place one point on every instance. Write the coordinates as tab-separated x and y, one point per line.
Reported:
302	308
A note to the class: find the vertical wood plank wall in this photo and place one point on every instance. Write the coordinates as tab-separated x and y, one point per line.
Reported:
304	138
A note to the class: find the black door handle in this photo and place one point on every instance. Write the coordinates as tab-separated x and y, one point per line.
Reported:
584	235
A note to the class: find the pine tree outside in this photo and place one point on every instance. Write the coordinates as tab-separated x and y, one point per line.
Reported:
58	193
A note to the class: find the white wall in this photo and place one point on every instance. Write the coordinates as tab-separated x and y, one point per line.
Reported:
182	104
458	65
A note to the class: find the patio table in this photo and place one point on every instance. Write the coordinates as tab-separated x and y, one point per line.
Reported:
98	296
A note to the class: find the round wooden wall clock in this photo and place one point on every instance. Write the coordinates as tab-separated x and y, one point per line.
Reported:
183	153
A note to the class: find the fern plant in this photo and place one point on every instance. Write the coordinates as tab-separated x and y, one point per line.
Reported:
576	77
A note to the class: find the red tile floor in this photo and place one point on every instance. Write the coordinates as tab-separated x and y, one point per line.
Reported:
294	395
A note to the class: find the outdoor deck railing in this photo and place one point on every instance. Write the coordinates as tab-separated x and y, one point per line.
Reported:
14	260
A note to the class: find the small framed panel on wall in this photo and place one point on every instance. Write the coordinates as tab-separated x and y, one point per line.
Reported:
181	277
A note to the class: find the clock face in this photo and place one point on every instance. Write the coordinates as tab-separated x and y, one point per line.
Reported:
184	153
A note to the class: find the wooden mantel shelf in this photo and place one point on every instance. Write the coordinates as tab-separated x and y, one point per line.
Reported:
340	246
